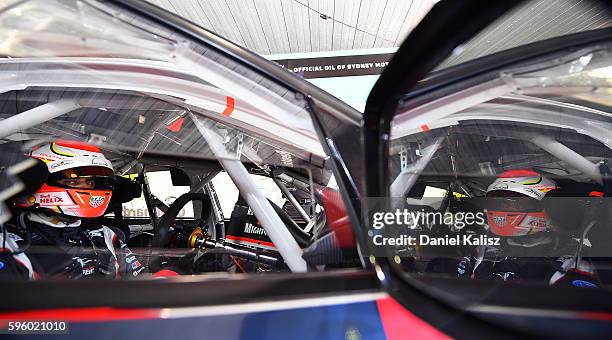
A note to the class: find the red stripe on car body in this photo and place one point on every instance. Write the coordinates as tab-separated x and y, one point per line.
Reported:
400	323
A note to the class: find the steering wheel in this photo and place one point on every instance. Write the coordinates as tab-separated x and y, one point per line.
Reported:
161	237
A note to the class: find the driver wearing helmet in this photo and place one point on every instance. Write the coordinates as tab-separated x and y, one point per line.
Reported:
53	234
516	209
517	215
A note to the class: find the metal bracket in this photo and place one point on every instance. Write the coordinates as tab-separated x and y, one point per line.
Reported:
403	153
239	145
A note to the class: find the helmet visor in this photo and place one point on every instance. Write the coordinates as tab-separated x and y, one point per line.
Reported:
509	201
85	177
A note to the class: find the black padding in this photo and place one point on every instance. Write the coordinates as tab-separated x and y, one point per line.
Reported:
244	224
125	190
241	216
566	206
179	177
302	237
33	177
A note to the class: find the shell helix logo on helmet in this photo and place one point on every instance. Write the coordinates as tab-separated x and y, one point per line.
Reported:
51	199
80	180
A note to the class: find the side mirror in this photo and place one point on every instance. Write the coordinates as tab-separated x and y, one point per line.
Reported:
179	177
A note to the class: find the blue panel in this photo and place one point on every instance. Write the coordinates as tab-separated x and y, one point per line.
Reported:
349	321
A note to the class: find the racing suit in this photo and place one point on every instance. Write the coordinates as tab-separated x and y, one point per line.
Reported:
53	246
564	270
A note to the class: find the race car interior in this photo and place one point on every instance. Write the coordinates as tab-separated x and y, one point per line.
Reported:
216	167
159	150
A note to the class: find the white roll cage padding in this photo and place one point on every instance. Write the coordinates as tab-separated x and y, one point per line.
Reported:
599	131
32	117
275	228
471	104
164	80
407	177
570	156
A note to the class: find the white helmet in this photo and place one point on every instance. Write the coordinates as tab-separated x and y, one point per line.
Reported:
80	182
515	208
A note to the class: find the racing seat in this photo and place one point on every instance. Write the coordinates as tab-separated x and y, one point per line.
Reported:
574	205
245	229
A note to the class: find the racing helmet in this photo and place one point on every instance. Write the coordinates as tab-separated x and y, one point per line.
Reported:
515	207
80	180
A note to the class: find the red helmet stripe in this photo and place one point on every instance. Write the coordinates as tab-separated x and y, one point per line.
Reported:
77	145
518	173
